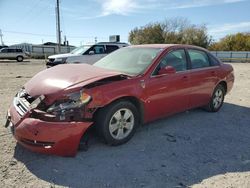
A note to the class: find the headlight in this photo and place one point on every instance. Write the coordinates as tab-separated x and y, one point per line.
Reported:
60	60
69	102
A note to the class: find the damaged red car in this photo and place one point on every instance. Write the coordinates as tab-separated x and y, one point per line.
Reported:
131	86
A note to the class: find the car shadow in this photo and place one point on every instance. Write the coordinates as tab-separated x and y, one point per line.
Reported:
180	150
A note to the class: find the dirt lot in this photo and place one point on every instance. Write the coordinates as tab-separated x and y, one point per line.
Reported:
193	148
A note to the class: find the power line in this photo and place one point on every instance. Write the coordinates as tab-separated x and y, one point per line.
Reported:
49	35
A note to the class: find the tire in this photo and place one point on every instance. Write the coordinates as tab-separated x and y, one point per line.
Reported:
117	122
19	58
217	99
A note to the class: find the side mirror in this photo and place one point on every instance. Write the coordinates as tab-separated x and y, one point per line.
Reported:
167	70
91	52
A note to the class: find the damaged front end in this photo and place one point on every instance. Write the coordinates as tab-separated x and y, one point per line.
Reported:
55	128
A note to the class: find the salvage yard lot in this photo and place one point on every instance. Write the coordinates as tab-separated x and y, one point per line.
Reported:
193	148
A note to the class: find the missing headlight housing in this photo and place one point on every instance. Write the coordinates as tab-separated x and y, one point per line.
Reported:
70	105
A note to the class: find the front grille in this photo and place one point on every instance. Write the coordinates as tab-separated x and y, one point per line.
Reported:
51	60
22	102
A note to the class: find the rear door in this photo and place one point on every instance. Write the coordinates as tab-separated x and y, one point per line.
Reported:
203	77
168	94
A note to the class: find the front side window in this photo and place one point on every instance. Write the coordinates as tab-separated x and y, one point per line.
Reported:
10	50
176	59
4	50
80	50
98	49
199	59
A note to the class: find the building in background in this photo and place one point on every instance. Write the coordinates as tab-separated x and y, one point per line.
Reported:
43	50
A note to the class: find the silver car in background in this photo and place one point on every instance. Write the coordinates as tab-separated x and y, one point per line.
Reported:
85	54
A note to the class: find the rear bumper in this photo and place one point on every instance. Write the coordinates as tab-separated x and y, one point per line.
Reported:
57	138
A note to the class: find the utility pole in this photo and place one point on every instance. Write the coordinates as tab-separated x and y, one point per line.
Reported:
1	36
58	30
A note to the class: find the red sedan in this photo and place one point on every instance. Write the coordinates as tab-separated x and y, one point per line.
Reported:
131	86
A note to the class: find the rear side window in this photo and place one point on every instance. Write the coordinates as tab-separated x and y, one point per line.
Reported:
19	50
111	48
213	60
199	59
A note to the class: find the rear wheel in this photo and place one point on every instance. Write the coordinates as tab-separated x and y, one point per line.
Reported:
19	58
117	122
217	99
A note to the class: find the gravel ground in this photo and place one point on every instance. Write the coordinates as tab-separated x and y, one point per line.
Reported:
190	149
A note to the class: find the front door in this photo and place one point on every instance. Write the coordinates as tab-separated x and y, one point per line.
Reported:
169	93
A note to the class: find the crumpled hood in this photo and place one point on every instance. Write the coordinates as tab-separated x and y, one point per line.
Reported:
61	77
57	56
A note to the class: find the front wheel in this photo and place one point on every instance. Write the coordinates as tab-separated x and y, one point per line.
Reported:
217	99
117	122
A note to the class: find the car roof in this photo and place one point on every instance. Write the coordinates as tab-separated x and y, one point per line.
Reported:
165	46
120	44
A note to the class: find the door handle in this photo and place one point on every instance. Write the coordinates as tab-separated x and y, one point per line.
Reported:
213	73
185	78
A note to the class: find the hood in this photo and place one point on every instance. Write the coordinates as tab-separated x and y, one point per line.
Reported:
62	56
61	77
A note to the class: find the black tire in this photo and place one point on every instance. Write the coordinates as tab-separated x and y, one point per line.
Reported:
217	99
108	117
19	58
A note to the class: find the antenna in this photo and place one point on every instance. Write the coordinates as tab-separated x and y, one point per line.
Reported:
1	36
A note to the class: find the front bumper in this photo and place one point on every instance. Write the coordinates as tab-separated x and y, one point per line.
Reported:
53	63
58	138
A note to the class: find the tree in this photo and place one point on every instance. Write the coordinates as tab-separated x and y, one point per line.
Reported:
175	30
151	33
235	42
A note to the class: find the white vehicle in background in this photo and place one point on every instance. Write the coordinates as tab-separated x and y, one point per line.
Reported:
13	53
85	54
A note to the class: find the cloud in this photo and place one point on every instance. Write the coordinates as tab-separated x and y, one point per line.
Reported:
184	4
102	8
126	7
220	30
119	7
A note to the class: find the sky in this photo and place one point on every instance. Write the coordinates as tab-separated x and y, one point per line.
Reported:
34	21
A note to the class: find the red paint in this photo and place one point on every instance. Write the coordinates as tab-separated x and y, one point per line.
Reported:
159	96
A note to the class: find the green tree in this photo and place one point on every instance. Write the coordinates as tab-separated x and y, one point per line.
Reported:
235	42
175	30
151	33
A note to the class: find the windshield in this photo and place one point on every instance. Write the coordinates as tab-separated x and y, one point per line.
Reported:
132	61
80	50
